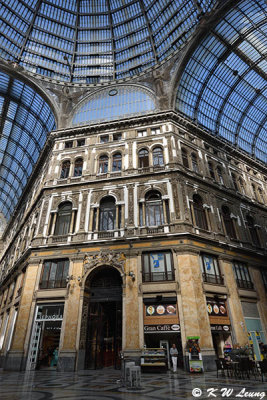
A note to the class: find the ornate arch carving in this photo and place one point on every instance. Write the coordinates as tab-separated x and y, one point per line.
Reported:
110	258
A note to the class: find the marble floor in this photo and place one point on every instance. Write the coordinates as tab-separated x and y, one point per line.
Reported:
106	385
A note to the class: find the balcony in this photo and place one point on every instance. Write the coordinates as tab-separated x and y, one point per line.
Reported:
242	284
214	279
60	239
105	234
158	276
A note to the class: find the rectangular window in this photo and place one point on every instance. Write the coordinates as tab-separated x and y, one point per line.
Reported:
54	274
141	133
157	266
68	145
242	276
104	139
155	131
210	270
80	142
117	136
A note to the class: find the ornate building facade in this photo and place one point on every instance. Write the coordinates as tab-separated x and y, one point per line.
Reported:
138	226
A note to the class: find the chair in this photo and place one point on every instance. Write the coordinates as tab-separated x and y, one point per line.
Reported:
219	365
263	367
244	367
227	367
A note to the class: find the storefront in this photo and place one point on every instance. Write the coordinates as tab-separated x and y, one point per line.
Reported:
220	325
254	327
45	337
162	326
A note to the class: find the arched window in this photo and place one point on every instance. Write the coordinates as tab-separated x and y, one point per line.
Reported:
143	159
185	158
194	162
158	157
211	170
78	167
199	212
253	231
235	182
220	175
63	219
228	222
154	209
65	170
107	214
116	162
103	164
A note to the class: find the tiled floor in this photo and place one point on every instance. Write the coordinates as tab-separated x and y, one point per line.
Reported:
106	385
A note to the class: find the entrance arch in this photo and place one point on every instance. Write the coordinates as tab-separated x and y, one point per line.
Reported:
103	318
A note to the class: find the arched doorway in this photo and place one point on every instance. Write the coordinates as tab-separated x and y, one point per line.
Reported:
103	290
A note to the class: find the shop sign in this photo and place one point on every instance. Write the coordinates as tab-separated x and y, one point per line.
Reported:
220	328
160	309
196	365
216	308
162	328
50	312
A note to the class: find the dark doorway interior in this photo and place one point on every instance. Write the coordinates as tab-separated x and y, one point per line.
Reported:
104	323
49	344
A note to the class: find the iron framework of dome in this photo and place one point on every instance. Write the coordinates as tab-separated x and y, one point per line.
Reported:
223	86
92	41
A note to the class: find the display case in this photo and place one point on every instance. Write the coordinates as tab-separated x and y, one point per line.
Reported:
154	359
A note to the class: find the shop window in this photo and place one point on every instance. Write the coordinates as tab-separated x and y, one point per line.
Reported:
154	209
78	167
220	175
107	214
253	231
210	270
63	219
104	139
80	142
211	170
69	144
143	159
199	213
157	266
264	277
116	162
185	158
103	164
158	157
65	170
242	276
194	162
228	223
54	274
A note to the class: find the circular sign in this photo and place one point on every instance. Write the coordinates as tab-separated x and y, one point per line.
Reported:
113	92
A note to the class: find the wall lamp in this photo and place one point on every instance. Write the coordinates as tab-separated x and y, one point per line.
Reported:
132	275
72	278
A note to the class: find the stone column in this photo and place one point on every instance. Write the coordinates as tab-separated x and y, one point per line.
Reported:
193	310
16	359
234	303
262	297
130	317
69	330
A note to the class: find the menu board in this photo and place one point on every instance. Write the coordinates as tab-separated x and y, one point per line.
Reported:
159	309
216	308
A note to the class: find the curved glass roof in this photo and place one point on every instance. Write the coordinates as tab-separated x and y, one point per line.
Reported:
25	119
223	86
110	104
91	41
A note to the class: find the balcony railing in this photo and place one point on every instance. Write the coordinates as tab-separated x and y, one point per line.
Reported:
242	284
60	238
215	279
105	234
158	276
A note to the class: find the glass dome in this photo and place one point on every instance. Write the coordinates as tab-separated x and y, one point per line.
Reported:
25	120
223	86
92	41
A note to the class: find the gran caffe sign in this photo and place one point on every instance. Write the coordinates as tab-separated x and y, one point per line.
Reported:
160	328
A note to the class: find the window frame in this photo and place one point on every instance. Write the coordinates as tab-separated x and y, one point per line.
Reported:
55	283
201	221
103	164
65	169
158	156
143	160
78	170
242	276
168	275
215	278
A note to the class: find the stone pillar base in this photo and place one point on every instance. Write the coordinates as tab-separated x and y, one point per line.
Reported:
66	361
14	361
132	355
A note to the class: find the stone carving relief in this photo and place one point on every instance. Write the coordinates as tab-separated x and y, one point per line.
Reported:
111	258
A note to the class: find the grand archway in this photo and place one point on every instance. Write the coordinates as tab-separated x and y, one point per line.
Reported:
102	318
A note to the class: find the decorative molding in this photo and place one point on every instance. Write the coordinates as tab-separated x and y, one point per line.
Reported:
111	258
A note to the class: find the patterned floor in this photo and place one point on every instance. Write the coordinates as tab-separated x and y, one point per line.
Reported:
106	385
